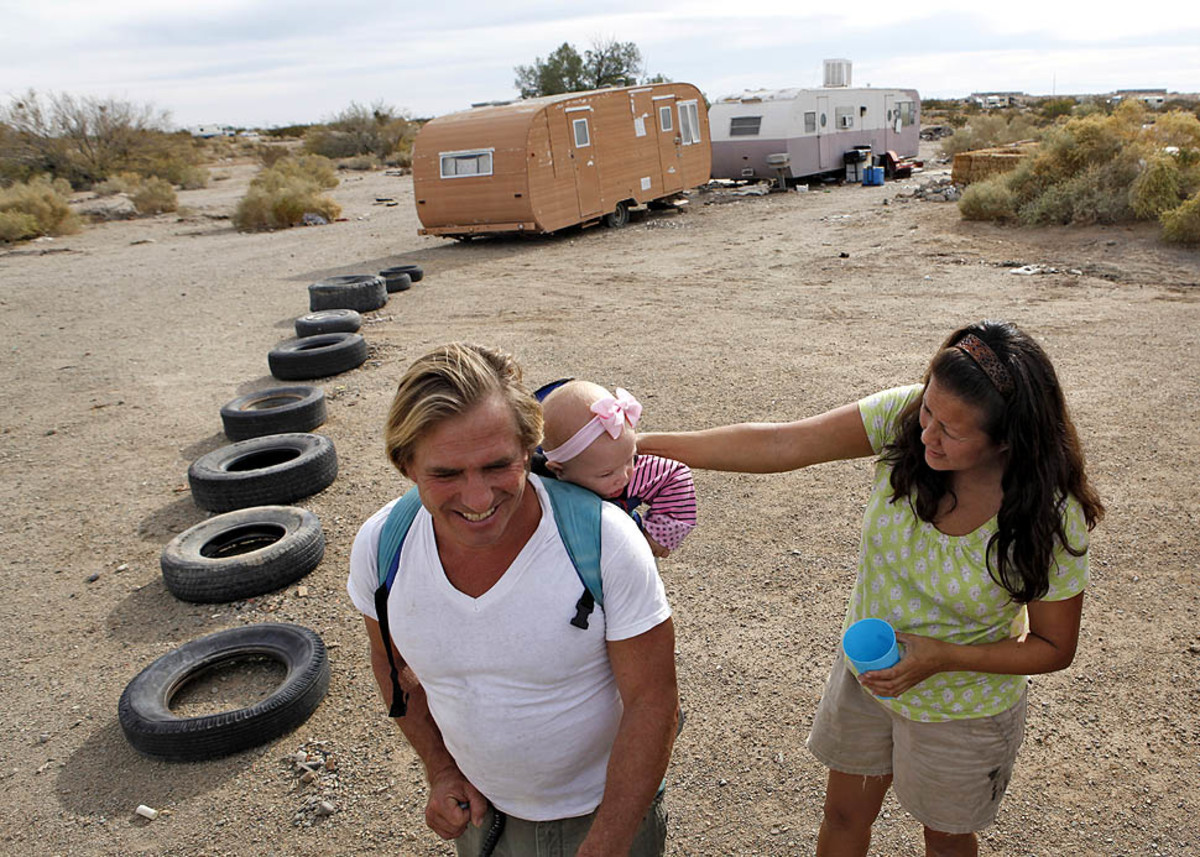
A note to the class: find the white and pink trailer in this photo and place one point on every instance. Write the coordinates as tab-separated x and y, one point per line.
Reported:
798	133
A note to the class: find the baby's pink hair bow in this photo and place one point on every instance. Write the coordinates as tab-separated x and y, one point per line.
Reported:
611	414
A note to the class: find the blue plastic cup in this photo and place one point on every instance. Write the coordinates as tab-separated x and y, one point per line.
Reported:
870	644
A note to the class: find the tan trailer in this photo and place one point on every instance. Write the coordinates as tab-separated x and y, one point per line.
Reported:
544	164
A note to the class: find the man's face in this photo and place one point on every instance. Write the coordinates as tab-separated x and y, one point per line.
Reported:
470	471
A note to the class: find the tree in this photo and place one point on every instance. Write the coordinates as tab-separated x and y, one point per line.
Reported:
82	139
606	63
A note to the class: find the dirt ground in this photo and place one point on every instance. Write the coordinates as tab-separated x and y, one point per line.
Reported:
123	342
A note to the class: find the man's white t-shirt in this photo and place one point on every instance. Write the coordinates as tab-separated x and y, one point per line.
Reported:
526	702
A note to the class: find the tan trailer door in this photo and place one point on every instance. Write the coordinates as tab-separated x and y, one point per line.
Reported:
891	123
580	126
670	144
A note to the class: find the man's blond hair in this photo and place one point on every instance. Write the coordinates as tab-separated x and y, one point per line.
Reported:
449	381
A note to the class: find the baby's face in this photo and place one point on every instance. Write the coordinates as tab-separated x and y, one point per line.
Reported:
606	466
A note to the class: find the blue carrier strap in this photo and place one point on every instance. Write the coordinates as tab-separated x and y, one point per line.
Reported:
577	515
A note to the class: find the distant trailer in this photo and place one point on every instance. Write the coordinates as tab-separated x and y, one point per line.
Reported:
798	133
543	164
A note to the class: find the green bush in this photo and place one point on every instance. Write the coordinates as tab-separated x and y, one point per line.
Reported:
37	207
361	163
983	131
1182	224
991	199
119	183
1157	188
155	196
281	195
18	226
378	130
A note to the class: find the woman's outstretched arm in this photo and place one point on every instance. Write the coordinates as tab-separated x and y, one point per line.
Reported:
766	447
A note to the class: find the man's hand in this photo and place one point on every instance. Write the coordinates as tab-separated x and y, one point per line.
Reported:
453	802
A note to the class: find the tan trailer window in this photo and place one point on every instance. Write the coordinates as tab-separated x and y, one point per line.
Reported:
689	122
664	119
810	122
904	109
744	126
458	164
582	136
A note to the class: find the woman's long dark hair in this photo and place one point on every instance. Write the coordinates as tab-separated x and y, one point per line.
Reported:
1044	459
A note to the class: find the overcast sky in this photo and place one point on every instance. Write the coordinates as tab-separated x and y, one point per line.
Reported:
262	63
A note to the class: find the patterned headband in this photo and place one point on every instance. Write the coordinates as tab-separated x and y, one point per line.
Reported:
986	358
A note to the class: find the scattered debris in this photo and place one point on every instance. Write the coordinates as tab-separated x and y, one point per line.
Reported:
1030	270
936	132
938	190
146	811
312	219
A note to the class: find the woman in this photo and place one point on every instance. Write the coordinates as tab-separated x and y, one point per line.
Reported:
979	514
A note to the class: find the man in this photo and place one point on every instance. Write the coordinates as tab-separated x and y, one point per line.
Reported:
565	730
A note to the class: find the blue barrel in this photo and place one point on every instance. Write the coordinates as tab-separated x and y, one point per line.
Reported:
872	176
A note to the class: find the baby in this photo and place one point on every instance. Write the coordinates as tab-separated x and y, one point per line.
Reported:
590	440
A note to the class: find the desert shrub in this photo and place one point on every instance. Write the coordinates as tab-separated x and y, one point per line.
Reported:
37	207
1182	225
155	196
983	131
991	199
1053	108
281	195
1156	189
17	226
378	130
360	162
119	183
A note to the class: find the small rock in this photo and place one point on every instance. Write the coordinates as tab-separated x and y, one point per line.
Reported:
308	777
45	736
301	591
326	808
123	567
92	578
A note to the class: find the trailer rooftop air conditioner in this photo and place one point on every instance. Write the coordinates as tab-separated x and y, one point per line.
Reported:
837	73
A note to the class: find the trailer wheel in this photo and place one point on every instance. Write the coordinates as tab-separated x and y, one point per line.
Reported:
154	730
618	217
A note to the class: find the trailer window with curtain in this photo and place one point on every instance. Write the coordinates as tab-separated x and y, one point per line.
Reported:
744	126
906	113
810	122
473	163
689	122
664	119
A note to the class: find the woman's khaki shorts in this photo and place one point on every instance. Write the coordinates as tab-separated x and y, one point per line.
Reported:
950	776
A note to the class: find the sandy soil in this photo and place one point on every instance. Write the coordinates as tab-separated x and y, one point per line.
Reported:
122	343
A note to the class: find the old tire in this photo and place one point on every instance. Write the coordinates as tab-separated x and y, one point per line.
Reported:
275	411
415	272
328	321
317	356
242	554
145	714
361	292
618	217
396	280
263	471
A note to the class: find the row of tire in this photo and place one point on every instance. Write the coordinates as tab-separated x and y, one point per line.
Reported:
258	544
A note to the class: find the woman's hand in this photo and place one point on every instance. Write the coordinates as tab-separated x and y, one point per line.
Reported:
920	658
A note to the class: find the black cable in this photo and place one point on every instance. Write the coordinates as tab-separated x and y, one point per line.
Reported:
494	833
